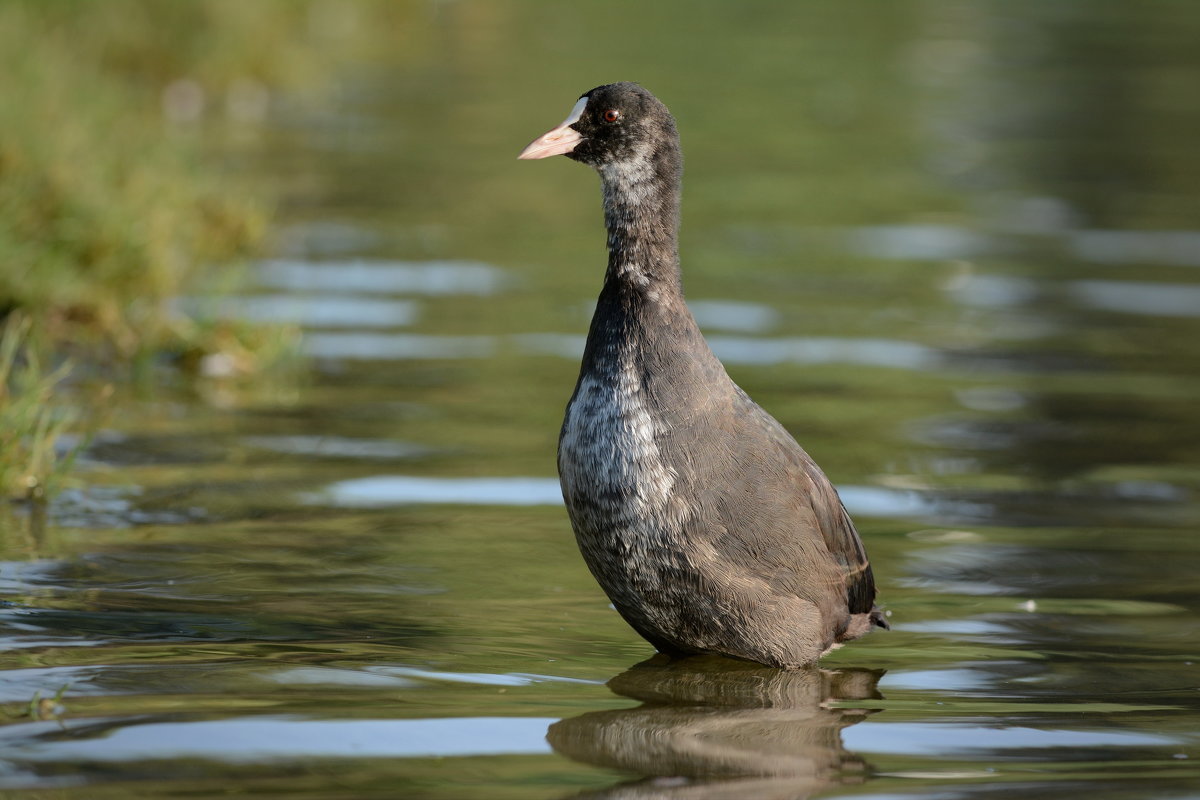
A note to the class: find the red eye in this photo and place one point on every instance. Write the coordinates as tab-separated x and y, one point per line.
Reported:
612	115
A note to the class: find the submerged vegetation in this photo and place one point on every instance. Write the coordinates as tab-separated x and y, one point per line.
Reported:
110	210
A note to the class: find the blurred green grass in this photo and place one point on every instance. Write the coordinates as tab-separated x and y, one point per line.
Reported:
110	207
105	216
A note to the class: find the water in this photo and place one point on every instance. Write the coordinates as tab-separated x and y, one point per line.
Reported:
951	246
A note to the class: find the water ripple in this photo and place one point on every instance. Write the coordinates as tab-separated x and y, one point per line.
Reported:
323	311
288	738
931	737
1137	297
383	491
371	346
383	276
338	447
765	351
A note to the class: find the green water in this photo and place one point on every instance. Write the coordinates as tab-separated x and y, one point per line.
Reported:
953	247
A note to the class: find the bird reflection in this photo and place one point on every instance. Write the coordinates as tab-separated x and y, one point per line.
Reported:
712	727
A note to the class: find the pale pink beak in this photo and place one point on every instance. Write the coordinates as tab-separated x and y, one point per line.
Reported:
552	143
559	140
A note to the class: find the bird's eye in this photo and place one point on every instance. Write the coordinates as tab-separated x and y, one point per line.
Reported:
612	115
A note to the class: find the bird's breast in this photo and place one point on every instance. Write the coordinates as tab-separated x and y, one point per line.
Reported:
610	462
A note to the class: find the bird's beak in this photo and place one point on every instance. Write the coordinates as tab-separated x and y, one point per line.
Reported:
555	142
558	140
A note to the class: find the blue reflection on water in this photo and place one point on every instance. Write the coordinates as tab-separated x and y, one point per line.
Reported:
383	276
729	315
933	737
1136	297
324	311
250	740
382	491
764	351
396	346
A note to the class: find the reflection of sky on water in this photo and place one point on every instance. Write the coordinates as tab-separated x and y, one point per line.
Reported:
357	306
730	349
407	677
1118	247
941	680
325	237
764	351
945	242
337	447
1135	297
382	276
250	740
476	678
382	491
396	346
934	737
824	350
730	315
18	685
918	242
993	291
996	632
324	311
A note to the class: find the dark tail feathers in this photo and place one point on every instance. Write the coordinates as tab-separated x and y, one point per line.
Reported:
878	619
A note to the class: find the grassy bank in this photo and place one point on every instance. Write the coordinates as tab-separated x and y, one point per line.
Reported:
109	207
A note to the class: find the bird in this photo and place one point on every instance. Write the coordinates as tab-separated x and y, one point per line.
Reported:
708	526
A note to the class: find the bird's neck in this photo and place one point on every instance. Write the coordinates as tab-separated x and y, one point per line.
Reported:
641	213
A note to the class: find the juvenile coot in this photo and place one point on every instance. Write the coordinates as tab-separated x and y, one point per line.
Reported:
709	527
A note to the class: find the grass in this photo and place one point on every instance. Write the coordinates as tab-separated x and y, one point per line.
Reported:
32	419
110	209
106	214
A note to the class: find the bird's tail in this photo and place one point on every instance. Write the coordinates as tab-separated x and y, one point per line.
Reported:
878	619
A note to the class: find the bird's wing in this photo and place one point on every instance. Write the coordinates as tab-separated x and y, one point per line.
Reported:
772	456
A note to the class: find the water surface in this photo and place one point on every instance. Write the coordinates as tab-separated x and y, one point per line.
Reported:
951	246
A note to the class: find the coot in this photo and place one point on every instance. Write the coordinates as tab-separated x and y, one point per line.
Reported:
708	526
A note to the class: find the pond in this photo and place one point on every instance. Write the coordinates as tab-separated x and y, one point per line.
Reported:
953	247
